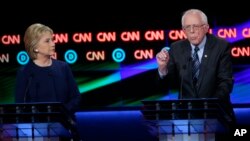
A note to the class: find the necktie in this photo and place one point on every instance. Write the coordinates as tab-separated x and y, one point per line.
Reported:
196	65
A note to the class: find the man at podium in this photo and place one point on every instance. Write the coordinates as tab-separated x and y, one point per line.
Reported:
201	63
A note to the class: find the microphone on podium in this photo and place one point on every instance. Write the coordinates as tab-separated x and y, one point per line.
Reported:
183	69
27	87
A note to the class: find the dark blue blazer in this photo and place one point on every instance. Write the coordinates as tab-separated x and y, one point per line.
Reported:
47	84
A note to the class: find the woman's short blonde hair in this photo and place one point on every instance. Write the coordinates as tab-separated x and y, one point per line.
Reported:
32	36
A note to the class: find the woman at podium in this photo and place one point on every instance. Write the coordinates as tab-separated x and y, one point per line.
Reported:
44	79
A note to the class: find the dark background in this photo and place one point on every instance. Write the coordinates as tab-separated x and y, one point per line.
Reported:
84	17
71	16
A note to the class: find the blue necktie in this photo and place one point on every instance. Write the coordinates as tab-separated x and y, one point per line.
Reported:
196	65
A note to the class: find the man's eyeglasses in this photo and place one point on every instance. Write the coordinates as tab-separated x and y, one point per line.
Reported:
195	27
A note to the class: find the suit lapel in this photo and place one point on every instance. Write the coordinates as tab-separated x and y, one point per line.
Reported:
205	58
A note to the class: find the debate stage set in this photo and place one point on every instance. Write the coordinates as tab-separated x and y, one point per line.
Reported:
161	120
113	62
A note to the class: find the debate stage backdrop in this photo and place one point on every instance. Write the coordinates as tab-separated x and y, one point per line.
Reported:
113	57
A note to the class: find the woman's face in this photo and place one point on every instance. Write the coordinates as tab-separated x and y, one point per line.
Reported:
46	45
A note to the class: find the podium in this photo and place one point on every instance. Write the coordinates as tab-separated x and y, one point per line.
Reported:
187	119
35	121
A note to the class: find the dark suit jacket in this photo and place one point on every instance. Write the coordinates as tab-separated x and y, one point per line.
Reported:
47	84
215	77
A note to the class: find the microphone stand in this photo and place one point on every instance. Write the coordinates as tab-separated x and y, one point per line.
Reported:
27	88
183	69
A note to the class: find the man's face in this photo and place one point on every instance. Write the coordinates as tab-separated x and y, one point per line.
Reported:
194	28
